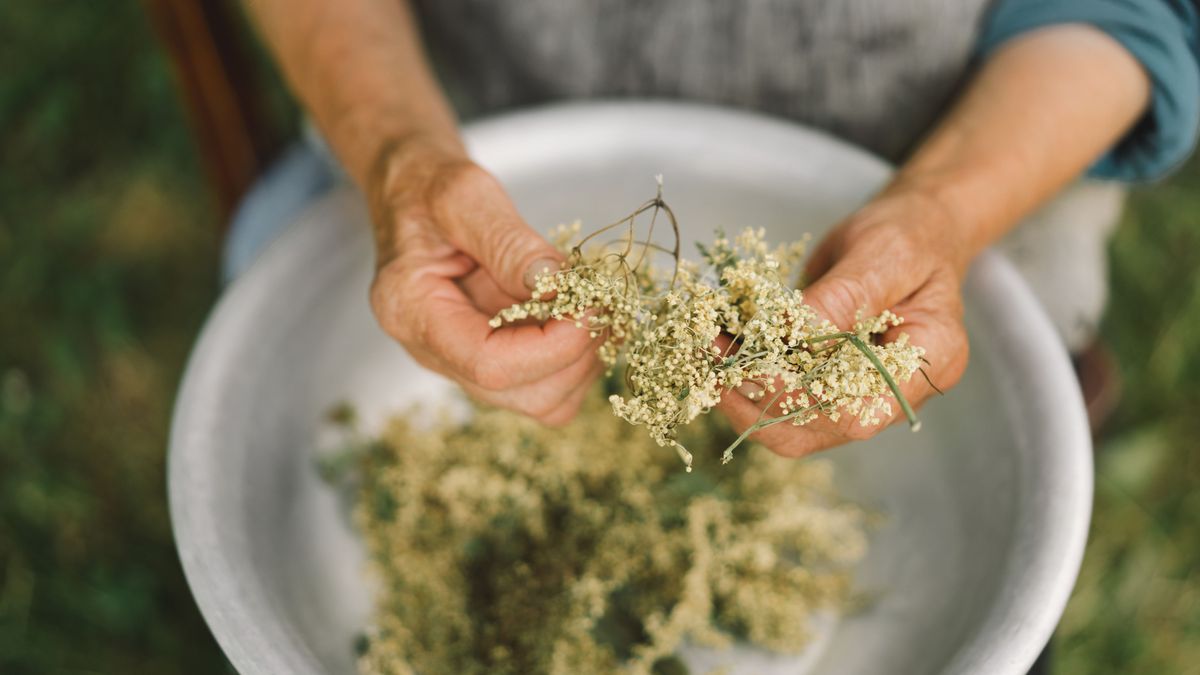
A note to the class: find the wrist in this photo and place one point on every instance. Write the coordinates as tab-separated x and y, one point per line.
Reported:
405	165
401	159
936	211
401	181
371	134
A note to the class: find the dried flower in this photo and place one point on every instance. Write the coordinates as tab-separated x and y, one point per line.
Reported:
666	327
502	547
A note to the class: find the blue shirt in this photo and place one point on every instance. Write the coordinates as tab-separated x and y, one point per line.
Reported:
1163	35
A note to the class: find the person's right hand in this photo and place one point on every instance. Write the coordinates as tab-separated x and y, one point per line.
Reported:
451	252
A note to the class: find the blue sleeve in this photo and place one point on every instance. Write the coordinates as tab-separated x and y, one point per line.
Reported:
1163	35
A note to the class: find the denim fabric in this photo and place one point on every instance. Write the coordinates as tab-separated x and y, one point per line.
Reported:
301	174
1164	35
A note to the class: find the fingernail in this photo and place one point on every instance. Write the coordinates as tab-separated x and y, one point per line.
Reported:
540	266
751	390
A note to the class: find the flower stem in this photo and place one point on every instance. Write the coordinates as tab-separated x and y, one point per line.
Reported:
913	422
759	426
832	336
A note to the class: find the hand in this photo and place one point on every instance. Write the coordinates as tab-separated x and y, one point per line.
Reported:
900	253
451	252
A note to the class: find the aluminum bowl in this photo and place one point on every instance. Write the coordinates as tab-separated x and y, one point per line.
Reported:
987	507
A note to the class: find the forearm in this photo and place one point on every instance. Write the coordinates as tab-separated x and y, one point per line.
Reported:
1038	113
358	67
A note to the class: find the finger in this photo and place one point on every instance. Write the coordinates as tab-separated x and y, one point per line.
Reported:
485	293
933	321
847	289
753	403
427	311
785	438
503	358
791	440
569	408
516	355
823	257
485	224
563	408
868	277
540	398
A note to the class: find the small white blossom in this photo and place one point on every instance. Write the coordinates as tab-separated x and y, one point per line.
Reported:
664	324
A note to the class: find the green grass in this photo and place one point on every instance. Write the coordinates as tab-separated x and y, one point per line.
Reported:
107	267
108	252
1136	608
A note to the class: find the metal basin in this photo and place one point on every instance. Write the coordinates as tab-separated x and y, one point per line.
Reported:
987	508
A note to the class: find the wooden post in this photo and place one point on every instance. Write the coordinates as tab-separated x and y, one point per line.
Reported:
207	44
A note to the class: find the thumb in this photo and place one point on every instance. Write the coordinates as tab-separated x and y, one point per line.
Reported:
854	283
489	230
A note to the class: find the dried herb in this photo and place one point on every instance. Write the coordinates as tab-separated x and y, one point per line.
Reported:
687	334
506	548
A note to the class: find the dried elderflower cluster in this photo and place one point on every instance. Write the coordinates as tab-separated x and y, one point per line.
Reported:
691	333
503	547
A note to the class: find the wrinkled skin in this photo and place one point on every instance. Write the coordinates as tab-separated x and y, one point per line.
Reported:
897	253
452	251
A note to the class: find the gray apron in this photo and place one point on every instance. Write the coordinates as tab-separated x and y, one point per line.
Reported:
874	72
877	73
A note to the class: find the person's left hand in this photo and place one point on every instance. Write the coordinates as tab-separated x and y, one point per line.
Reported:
899	252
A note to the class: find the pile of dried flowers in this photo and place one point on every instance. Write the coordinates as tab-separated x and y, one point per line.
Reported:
503	547
665	325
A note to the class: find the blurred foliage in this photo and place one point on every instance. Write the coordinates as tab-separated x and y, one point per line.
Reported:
108	252
108	249
1136	607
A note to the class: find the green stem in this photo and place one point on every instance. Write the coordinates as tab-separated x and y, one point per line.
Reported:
862	346
913	422
831	336
759	426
